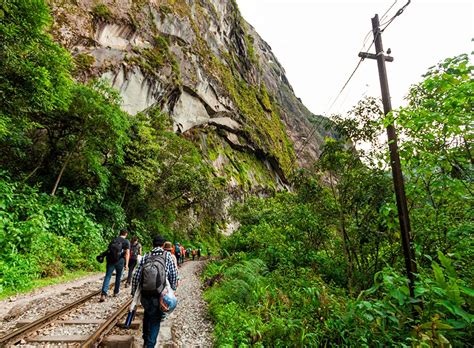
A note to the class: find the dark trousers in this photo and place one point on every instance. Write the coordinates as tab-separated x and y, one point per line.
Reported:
178	258
118	267
131	265
151	320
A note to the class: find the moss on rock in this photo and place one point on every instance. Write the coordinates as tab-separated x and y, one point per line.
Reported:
83	61
152	60
102	12
241	166
263	123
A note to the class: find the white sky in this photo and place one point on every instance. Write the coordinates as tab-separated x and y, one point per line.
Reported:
317	42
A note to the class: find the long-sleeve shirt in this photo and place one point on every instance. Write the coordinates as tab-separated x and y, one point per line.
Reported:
171	269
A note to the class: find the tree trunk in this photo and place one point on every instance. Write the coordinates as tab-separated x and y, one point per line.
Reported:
124	192
68	158
58	179
468	150
345	237
121	201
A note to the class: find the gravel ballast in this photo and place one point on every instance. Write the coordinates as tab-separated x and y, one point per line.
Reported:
190	324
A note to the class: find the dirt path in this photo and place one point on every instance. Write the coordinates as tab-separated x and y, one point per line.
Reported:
188	325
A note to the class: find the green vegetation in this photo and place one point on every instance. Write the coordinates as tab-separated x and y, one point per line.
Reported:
245	168
151	60
165	10
318	266
102	12
44	235
263	123
74	168
83	61
323	267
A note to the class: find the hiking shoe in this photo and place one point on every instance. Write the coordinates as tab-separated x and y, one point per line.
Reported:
102	298
115	295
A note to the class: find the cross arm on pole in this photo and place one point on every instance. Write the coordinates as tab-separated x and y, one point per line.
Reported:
374	56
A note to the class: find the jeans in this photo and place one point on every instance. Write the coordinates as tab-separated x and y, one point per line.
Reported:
118	267
151	320
131	266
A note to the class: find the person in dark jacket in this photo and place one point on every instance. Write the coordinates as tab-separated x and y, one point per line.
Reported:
135	252
116	265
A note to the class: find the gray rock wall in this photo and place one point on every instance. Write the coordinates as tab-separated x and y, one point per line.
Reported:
194	41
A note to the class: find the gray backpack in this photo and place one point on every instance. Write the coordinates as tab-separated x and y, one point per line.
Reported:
154	275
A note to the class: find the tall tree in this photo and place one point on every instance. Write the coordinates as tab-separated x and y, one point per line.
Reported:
437	150
34	72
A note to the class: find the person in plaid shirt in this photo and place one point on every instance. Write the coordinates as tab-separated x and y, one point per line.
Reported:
151	304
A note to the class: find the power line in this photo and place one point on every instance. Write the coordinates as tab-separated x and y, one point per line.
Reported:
398	13
313	130
383	16
362	49
346	83
353	72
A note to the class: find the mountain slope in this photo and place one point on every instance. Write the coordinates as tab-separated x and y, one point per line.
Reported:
204	65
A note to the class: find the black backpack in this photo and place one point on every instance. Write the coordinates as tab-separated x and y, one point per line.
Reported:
153	279
114	251
134	250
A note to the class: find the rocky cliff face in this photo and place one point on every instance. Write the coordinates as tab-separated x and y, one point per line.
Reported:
199	61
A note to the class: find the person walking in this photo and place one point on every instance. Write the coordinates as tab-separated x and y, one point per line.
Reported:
169	247
150	278
183	252
177	252
135	251
117	257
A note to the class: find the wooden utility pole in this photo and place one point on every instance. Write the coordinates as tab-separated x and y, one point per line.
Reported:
403	217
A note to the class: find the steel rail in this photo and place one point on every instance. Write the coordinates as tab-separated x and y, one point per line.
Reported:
39	323
43	321
95	339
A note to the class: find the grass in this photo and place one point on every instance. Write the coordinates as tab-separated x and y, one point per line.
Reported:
102	12
43	282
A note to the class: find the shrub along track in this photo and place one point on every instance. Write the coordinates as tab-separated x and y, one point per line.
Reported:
80	323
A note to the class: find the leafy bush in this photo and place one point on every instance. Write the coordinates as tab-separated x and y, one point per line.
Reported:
101	11
42	236
104	170
283	287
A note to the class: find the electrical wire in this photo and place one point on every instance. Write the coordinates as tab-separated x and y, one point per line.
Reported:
399	12
386	24
383	16
313	130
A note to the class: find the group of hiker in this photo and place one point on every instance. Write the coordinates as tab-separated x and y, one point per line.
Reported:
180	253
152	274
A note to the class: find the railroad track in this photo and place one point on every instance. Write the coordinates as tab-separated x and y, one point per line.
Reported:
44	331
